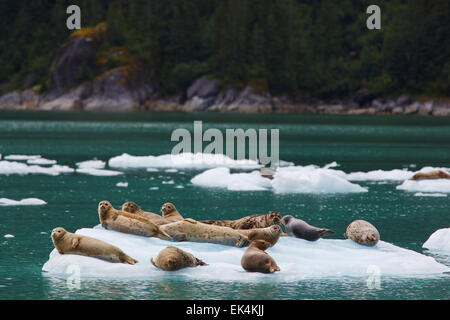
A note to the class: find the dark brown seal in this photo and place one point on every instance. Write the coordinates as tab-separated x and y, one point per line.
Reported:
249	222
435	174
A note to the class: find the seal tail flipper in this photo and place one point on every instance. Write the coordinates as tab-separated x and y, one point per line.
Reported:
163	235
200	262
326	231
242	242
153	262
127	259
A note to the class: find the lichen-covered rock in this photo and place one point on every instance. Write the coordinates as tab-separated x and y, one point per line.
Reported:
12	100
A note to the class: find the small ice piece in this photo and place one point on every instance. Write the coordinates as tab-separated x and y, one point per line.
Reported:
23	202
152	170
91	164
41	161
122	184
153	188
170	170
13	167
168	182
99	172
439	241
9	236
222	178
380	175
421	194
179	187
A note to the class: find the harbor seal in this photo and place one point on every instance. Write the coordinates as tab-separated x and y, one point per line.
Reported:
435	174
70	243
270	234
255	259
249	222
362	232
132	207
170	212
301	229
191	230
172	258
126	222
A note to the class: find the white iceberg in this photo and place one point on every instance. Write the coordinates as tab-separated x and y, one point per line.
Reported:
311	179
13	167
298	259
439	241
23	202
122	184
184	160
222	178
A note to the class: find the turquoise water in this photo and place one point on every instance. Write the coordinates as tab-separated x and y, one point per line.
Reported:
357	143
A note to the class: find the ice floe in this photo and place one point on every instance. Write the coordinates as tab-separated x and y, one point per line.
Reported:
183	160
432	185
20	157
122	184
14	167
380	175
91	164
293	179
23	202
9	236
98	172
298	259
41	161
439	241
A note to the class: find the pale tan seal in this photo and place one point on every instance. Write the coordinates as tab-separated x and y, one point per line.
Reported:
255	259
170	213
270	234
362	232
126	222
172	258
435	174
303	230
249	222
132	207
70	243
191	230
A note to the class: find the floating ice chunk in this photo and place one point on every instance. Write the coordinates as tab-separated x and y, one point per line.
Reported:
154	188
122	184
98	172
439	241
297	258
380	175
20	157
23	202
9	236
91	164
183	160
13	167
432	185
170	170
41	161
421	194
222	178
179	187
152	170
168	182
311	179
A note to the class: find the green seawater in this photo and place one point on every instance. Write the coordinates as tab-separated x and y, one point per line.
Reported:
356	143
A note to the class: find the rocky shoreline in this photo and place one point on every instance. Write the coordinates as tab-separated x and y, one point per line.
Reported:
85	78
206	95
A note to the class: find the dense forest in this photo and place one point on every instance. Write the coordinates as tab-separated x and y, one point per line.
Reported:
315	48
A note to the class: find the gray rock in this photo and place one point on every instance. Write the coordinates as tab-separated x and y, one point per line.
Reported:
426	108
402	100
412	108
441	111
203	88
397	110
12	100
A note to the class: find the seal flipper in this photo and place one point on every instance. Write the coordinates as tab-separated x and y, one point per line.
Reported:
200	262
325	232
124	258
153	262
